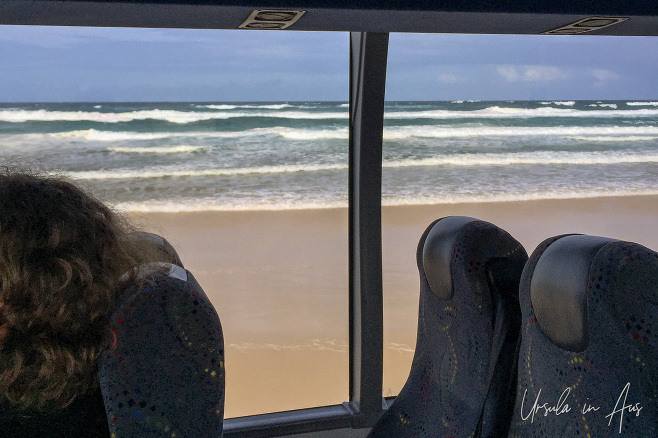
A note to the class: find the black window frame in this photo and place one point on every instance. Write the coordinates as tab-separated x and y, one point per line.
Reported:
368	57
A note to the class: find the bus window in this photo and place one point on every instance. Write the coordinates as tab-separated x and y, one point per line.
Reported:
540	135
231	144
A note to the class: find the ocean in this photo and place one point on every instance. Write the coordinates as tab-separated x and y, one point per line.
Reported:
173	157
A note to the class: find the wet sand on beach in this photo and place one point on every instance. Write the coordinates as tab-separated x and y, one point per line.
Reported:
279	281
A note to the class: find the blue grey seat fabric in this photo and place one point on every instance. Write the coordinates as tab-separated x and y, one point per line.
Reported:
163	375
461	382
588	359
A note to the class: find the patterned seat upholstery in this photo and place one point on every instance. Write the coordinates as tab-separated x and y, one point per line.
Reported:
588	356
463	369
164	373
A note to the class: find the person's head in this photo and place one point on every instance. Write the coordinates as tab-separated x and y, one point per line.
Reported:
62	257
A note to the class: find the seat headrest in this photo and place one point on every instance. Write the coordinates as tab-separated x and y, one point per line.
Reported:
558	289
448	240
165	248
437	253
168	269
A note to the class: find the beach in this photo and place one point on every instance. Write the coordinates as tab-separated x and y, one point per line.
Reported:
279	282
254	196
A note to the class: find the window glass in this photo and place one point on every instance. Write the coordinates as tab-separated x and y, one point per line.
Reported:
231	144
540	135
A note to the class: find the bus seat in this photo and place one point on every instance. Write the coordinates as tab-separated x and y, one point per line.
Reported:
167	252
461	382
588	355
163	375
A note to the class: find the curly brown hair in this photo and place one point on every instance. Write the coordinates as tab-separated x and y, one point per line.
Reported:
63	256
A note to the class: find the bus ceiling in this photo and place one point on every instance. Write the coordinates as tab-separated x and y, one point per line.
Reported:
604	17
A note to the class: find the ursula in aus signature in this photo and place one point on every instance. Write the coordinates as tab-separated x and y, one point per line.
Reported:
562	406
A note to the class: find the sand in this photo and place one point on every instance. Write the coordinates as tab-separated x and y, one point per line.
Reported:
278	280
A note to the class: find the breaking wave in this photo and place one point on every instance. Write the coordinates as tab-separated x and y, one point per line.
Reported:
474	159
621	133
186	117
642	103
194	205
560	102
157	150
171	116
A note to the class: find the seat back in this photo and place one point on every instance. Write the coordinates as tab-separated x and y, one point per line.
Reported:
163	375
588	356
463	368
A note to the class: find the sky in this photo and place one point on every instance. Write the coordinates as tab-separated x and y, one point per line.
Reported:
67	64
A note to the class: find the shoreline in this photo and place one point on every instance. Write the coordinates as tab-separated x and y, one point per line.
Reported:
493	211
333	206
279	282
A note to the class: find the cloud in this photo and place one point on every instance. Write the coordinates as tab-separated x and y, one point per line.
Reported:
531	73
448	78
603	77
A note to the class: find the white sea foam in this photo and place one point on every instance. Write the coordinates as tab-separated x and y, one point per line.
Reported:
178	172
402	348
642	103
185	117
171	116
507	112
183	149
194	205
285	132
620	139
429	131
315	344
629	133
339	346
118	136
93	135
560	102
124	136
219	107
191	205
229	107
527	158
604	105
474	159
275	106
313	134
96	135
460	198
